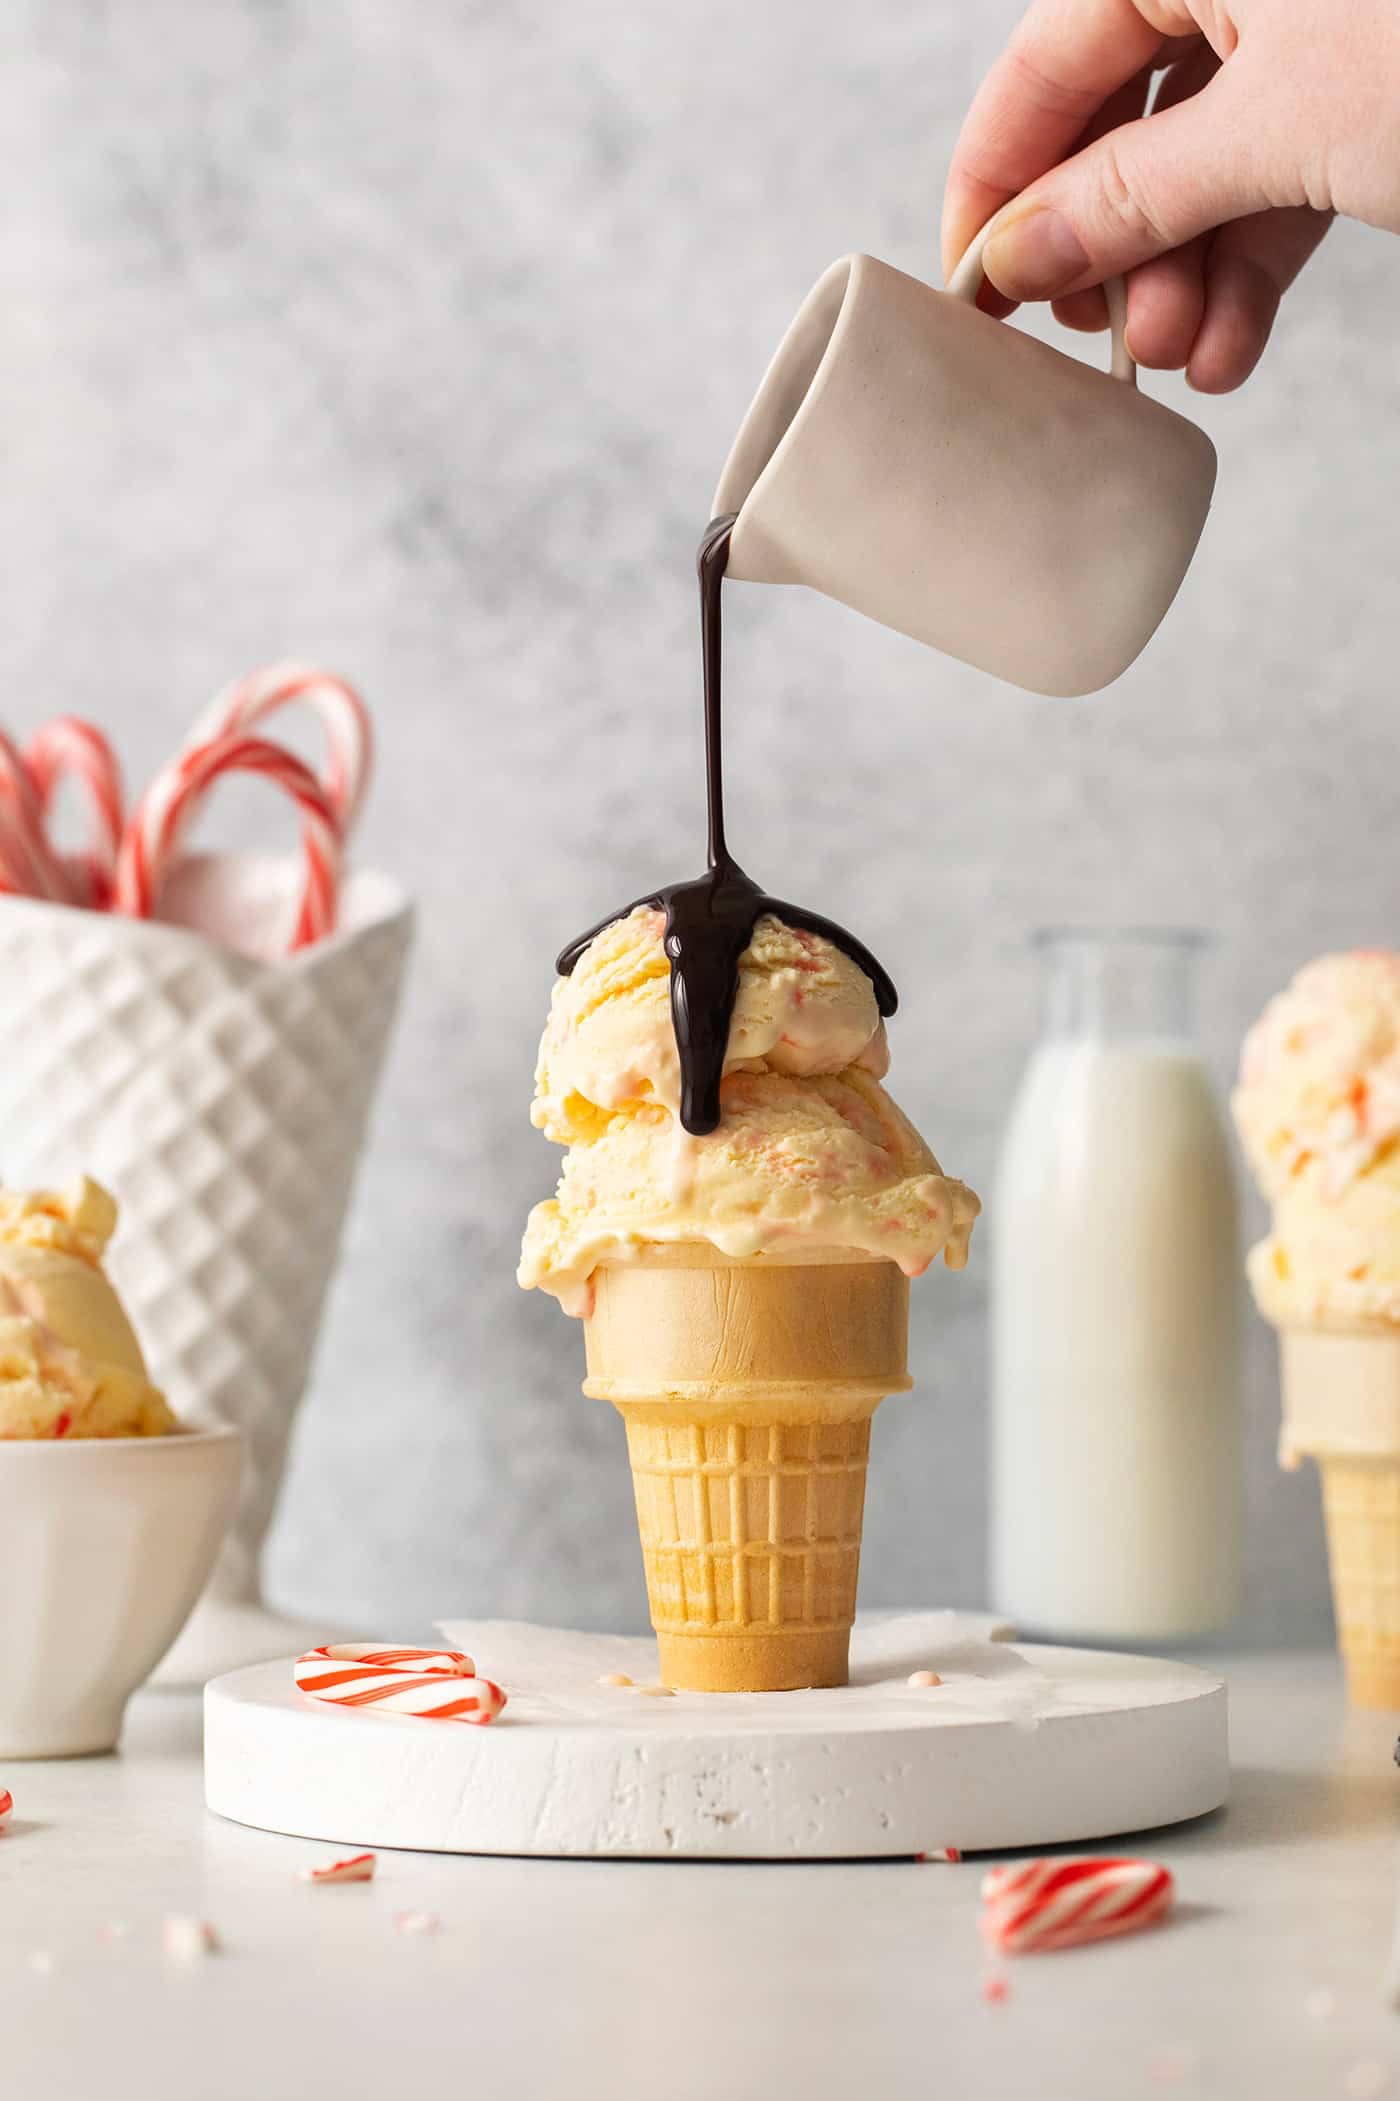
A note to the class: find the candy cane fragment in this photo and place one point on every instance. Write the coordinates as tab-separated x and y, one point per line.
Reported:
1037	1905
358	1867
430	1684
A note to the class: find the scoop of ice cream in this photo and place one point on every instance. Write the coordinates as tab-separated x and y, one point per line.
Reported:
70	1364
825	1159
1333	1260
1318	1111
803	1007
1318	1099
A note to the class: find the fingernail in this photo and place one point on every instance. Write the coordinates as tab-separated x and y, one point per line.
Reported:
1036	257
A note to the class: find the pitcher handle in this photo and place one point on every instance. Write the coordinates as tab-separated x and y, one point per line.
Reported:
967	278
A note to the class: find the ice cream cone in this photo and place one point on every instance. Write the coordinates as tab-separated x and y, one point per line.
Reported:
1341	1407
747	1388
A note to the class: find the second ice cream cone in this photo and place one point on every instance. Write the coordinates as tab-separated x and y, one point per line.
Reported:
1341	1407
747	1387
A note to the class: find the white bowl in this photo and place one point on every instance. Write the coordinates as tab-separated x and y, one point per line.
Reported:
105	1544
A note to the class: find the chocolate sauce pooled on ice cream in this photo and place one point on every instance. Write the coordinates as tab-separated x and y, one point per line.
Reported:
710	920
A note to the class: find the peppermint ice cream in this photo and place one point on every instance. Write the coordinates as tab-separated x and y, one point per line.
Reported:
70	1364
1318	1112
810	1150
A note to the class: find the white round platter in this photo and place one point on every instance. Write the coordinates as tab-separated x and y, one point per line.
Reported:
1021	1745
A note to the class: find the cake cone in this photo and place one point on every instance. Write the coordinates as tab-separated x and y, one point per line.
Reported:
1341	1407
747	1388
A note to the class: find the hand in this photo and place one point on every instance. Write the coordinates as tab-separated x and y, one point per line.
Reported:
1270	116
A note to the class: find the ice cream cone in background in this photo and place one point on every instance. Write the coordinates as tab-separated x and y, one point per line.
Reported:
747	1388
1318	1109
1341	1407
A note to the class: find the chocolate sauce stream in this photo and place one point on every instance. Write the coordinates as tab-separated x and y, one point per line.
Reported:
710	921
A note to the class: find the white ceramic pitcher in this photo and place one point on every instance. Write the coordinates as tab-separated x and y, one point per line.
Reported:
964	483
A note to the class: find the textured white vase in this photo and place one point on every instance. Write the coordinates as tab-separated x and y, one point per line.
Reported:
224	1100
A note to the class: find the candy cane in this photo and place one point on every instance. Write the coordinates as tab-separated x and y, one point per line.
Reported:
155	835
247	703
1038	1905
69	746
359	1867
7	1803
27	868
434	1684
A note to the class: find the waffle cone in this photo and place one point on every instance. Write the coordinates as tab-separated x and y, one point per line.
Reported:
747	1389
1341	1389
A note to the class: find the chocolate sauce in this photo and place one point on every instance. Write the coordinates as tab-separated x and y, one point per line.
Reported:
710	921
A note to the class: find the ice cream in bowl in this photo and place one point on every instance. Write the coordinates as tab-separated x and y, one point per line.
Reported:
744	1290
1318	1111
111	1513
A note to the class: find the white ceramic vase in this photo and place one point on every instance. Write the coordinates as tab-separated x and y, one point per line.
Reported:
224	1101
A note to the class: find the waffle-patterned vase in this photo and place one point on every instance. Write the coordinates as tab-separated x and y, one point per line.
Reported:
224	1101
747	1388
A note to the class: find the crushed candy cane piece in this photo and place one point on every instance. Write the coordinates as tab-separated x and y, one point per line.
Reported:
435	1685
187	1940
356	1867
941	1853
995	1990
923	1678
1033	1906
7	1803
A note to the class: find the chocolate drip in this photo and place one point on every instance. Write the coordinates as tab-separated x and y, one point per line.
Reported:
710	920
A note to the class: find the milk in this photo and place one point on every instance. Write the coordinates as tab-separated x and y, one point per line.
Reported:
1115	1467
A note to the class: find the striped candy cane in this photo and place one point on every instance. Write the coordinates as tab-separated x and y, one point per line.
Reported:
247	703
27	867
359	1867
70	747
438	1685
1037	1905
7	1803
154	838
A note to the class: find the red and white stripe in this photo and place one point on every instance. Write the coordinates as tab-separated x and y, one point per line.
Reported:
70	748
438	1685
7	1803
248	702
155	836
357	1867
27	867
1036	1905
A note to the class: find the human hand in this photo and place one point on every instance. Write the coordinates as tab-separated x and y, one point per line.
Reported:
1270	116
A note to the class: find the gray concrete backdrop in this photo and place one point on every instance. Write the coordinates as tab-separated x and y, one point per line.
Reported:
411	338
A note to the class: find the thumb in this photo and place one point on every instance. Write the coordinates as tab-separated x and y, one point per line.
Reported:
1138	192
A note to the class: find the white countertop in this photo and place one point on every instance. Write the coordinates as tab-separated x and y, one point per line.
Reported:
673	1981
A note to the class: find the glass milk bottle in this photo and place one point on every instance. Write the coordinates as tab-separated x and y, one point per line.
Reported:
1116	1421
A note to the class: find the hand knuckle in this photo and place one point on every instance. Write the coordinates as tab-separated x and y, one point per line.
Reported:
1128	203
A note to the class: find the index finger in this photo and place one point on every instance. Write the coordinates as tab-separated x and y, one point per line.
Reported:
1063	61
